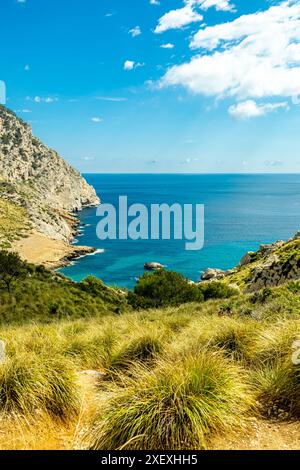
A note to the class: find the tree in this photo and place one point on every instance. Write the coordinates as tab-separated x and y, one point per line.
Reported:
163	288
11	268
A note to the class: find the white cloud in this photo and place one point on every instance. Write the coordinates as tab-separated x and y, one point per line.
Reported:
273	162
96	119
111	98
40	99
250	109
87	159
154	2
255	56
131	64
135	31
26	111
167	46
176	19
220	5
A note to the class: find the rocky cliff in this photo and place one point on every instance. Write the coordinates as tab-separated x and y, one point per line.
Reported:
270	266
36	185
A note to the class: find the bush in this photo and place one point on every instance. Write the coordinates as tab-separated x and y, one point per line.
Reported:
217	290
11	268
97	288
172	407
163	288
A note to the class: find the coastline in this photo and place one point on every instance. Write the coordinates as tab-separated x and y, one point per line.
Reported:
37	248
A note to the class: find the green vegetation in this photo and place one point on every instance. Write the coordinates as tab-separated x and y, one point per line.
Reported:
14	222
12	268
163	288
217	290
199	363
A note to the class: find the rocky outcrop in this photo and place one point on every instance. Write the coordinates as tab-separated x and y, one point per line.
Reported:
152	266
212	274
273	272
270	266
35	178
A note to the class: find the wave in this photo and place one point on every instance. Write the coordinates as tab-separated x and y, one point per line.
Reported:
99	250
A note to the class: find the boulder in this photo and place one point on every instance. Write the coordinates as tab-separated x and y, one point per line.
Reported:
94	374
212	274
297	235
153	266
247	258
264	248
2	352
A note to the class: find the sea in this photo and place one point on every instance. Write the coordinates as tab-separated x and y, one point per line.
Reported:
241	212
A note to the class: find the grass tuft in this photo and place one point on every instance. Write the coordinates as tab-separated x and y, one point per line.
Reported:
172	407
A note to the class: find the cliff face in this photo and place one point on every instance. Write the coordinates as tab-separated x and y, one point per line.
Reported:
38	181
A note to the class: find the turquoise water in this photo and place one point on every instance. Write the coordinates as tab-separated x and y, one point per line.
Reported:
241	212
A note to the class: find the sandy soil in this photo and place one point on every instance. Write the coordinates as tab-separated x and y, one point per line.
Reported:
39	249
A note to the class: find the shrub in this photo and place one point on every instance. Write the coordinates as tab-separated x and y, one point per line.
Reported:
97	288
217	290
163	288
11	268
173	407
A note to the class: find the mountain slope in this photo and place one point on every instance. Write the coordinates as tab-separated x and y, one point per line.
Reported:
38	183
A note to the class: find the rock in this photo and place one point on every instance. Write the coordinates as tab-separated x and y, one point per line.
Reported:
153	266
2	352
247	258
94	373
264	248
297	235
213	274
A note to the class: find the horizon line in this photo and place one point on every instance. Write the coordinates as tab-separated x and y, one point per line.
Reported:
187	174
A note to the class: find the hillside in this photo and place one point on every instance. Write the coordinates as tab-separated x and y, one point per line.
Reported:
85	369
38	189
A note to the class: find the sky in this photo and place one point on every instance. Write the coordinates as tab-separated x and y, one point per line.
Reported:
157	86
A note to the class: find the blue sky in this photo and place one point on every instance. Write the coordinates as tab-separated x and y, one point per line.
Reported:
170	86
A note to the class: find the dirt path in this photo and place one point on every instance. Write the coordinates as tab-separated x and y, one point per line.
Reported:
262	435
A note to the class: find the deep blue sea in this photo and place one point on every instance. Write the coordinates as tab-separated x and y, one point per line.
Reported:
241	212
